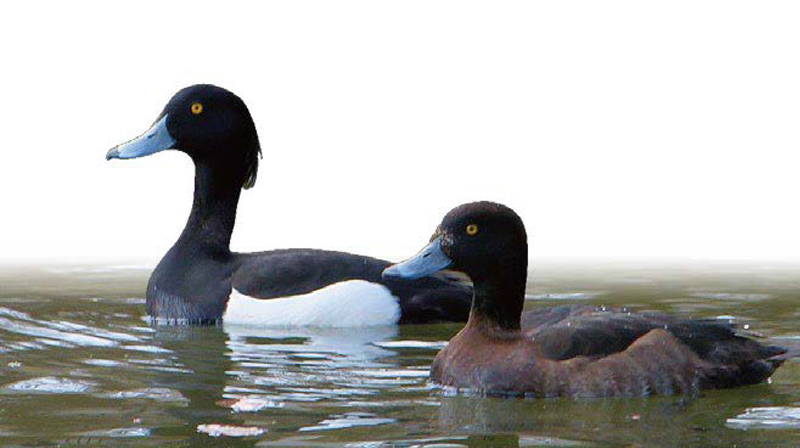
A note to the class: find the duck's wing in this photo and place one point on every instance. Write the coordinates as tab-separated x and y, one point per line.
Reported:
292	272
581	330
645	344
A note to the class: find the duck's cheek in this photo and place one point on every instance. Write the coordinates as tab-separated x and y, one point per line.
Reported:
352	303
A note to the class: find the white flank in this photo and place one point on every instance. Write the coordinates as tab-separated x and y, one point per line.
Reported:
353	303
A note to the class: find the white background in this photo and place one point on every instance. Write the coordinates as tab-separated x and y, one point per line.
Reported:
616	129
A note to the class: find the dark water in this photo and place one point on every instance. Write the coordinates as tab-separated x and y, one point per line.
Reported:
80	366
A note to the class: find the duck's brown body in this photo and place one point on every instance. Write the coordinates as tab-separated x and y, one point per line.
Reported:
584	351
574	351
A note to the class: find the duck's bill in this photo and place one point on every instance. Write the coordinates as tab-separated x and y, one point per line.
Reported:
156	139
428	261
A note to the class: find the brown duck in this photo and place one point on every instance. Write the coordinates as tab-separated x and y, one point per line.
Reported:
575	351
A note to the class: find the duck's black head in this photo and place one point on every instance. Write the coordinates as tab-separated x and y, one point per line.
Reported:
480	239
210	124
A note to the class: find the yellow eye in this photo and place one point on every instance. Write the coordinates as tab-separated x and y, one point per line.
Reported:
472	229
197	108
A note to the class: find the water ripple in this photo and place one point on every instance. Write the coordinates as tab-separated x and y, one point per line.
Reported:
217	430
50	385
766	417
151	393
438	345
348	420
119	433
53	330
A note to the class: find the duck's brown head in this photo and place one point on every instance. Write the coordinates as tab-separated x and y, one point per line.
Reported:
480	239
487	242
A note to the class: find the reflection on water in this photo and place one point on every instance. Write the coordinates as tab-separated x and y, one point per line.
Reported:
80	366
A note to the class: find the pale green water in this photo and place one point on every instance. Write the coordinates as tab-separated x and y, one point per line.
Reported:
80	367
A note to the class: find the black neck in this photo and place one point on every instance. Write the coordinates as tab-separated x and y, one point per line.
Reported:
192	281
213	214
499	297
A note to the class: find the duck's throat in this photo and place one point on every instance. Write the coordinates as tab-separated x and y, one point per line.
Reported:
498	301
213	213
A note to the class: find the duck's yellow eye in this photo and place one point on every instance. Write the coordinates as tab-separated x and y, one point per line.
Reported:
197	108
472	229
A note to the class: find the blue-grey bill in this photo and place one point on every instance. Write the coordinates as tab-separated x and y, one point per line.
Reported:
428	261
156	139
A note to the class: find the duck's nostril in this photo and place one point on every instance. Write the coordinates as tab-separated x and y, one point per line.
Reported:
151	136
426	255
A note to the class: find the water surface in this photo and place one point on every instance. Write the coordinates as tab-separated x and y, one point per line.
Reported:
79	366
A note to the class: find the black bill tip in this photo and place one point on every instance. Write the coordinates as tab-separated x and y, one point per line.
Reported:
112	153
